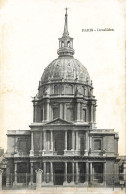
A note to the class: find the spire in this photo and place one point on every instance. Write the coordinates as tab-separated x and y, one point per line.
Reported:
65	42
66	33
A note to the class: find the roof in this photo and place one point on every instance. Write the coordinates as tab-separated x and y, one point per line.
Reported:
65	69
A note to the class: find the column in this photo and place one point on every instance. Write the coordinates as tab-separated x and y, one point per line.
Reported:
61	111
51	140
32	144
124	171
66	172
91	173
78	111
31	173
94	114
65	140
43	112
104	175
87	172
73	140
15	173
34	112
7	175
72	171
91	113
65	111
1	179
86	143
44	139
16	145
51	171
44	171
48	111
77	175
40	142
90	142
87	114
76	140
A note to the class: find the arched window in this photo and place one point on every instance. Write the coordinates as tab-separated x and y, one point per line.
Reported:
45	91
83	90
62	44
68	43
69	89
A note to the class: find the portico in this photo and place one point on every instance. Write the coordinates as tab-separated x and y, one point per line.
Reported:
72	173
63	142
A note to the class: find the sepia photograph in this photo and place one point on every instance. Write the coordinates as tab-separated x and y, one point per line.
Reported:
62	96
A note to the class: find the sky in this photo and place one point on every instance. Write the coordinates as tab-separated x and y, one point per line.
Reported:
29	32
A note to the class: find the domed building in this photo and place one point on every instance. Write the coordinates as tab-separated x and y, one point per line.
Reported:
63	140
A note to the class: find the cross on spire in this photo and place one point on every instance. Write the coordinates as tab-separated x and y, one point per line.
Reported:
66	10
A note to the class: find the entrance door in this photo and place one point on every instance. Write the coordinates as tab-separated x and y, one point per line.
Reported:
58	173
59	177
98	172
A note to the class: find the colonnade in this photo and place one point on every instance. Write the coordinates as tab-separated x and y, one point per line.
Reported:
50	147
47	111
49	173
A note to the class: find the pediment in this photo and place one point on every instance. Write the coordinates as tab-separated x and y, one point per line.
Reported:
59	121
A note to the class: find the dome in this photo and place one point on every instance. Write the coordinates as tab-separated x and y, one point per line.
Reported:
65	69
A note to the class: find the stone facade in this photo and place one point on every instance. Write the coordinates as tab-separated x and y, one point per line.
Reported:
64	141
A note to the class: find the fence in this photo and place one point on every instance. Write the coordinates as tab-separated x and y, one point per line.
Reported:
26	180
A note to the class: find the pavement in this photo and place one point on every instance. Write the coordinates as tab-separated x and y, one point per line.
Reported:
66	190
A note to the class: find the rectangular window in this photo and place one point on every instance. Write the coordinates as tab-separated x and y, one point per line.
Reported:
55	113
84	115
70	114
97	144
69	140
41	114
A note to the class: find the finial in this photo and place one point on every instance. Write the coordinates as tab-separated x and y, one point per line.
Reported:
66	33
